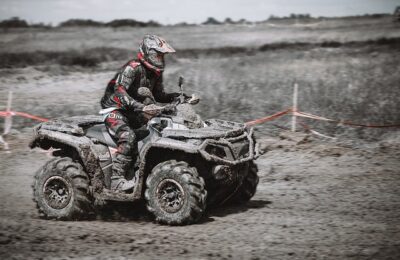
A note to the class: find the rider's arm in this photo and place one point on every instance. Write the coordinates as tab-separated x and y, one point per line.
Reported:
160	95
121	96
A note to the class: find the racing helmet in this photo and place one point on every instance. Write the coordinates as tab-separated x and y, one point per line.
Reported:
153	49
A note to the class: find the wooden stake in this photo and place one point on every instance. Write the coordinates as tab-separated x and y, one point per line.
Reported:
8	119
7	123
295	96
4	143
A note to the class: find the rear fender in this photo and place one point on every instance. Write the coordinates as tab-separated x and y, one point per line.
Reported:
83	146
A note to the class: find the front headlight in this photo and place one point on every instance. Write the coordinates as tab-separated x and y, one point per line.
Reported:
218	151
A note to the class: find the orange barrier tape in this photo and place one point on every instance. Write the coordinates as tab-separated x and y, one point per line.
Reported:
307	115
22	114
268	118
250	123
311	116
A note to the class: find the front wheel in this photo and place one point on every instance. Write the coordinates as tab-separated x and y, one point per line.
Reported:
60	190
175	193
248	187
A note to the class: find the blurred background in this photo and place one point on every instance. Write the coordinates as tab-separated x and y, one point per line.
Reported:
241	57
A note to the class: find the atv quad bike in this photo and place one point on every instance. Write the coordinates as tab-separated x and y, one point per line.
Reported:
184	166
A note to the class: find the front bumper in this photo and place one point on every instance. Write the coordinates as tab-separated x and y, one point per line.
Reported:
231	151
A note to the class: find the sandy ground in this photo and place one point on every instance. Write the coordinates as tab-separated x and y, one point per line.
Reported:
315	201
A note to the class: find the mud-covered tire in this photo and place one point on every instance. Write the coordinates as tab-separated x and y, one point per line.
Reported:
175	193
60	190
248	187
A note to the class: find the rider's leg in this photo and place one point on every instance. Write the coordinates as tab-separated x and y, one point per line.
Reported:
127	148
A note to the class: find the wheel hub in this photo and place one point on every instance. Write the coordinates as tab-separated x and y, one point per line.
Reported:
57	192
170	195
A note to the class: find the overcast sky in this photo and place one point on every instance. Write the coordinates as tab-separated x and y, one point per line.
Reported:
193	11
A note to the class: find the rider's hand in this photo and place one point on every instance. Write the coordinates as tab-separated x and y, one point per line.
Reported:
151	111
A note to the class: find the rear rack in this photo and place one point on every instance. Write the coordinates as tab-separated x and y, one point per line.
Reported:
70	125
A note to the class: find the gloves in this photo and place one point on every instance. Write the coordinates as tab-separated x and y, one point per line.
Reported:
151	111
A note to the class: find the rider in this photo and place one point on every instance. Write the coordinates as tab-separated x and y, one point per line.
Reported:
126	106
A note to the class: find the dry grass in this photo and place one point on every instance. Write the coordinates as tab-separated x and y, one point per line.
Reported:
199	37
357	84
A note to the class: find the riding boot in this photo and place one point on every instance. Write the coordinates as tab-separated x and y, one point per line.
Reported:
121	165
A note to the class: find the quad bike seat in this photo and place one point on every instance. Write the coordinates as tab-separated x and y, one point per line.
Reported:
100	133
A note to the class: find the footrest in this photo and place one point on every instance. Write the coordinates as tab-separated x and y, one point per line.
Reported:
107	194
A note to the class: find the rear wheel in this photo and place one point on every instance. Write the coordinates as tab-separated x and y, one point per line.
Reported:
175	193
60	190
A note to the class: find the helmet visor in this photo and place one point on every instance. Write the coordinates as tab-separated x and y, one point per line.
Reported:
157	43
164	47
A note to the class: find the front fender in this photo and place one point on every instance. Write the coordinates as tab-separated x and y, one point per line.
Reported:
171	144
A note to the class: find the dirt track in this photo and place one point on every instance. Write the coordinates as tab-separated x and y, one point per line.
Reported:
314	201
